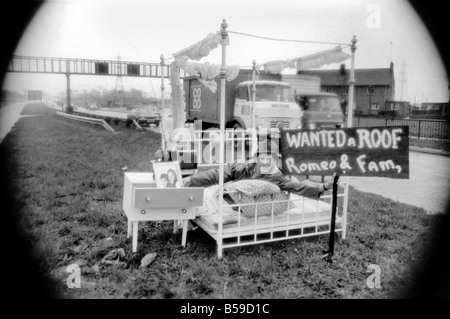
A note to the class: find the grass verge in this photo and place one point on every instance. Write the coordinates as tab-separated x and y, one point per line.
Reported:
66	181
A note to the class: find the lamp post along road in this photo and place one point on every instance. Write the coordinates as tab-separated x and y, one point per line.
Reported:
351	84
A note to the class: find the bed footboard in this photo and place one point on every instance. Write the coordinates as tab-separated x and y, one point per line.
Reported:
250	223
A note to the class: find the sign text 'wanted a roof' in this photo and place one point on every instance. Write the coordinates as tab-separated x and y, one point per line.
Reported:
369	151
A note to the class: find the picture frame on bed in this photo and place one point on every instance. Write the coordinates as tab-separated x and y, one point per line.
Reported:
167	174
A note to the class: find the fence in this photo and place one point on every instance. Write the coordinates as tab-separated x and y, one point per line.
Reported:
418	128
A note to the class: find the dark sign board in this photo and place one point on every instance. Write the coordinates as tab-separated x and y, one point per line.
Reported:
34	95
368	151
101	68
133	69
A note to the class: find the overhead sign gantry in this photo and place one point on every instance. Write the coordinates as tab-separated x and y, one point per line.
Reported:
74	66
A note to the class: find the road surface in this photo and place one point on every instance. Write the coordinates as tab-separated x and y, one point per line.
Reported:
9	114
428	185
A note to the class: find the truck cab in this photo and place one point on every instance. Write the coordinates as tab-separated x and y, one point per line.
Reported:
274	106
320	110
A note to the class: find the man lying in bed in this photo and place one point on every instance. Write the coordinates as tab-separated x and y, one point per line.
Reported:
265	168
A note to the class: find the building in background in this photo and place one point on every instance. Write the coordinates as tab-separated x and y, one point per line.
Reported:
431	110
373	88
396	108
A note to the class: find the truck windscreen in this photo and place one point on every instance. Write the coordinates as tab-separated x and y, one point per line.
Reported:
323	104
266	92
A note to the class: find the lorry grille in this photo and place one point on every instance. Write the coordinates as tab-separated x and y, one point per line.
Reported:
279	124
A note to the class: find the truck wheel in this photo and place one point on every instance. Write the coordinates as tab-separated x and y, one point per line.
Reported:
157	123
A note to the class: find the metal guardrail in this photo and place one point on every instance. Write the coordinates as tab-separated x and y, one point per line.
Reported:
137	125
87	120
418	128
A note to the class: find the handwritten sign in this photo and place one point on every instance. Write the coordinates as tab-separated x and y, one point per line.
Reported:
369	151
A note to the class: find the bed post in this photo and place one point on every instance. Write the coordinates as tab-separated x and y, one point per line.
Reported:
351	98
345	209
329	255
223	73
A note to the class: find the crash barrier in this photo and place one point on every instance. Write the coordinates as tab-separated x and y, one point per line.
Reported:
418	128
137	125
87	120
103	115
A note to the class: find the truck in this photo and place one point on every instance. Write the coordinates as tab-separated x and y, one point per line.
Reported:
320	110
302	83
274	106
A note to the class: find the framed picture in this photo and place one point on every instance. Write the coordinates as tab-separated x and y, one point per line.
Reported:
167	174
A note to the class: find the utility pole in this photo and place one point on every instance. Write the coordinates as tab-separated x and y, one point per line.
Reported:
118	94
69	103
351	84
403	77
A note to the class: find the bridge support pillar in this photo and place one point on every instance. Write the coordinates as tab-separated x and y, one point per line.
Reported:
69	104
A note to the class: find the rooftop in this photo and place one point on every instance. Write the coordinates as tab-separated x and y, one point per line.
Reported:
363	77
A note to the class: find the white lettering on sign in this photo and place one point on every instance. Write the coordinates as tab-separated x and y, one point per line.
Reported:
376	138
330	138
375	167
344	162
309	167
370	151
196	98
351	142
361	163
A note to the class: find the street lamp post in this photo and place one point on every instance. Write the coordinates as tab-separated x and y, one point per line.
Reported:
351	84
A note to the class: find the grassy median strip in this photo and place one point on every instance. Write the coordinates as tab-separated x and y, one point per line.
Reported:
68	180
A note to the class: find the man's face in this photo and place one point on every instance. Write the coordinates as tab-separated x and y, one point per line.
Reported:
265	163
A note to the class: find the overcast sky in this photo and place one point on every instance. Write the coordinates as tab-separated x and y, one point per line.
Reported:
386	30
